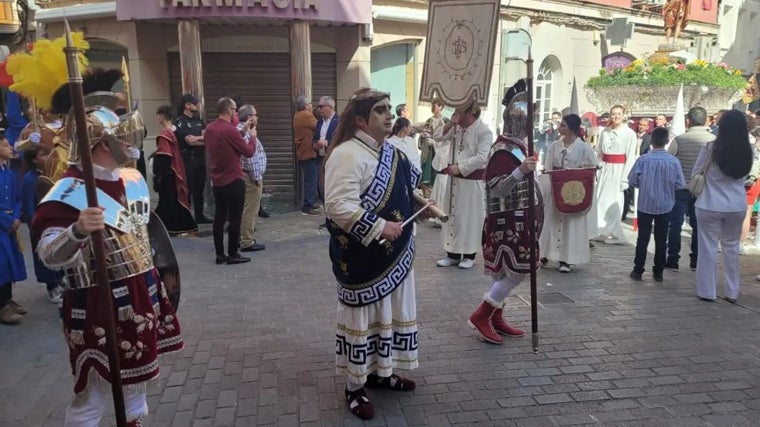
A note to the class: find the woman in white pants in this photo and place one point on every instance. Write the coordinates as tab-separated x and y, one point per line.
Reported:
721	206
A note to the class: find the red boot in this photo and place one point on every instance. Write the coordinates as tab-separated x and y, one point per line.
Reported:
502	326
137	422
480	320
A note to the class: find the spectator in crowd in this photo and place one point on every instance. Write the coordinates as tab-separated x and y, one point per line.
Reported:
402	111
226	146
658	176
12	267
400	139
661	121
304	124
323	134
722	204
35	158
169	178
253	176
189	129
715	120
644	138
686	148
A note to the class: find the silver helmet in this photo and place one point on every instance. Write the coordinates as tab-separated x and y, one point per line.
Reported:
515	115
103	125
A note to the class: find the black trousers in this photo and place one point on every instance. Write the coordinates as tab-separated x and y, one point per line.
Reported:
628	196
230	200
195	171
661	222
460	256
6	293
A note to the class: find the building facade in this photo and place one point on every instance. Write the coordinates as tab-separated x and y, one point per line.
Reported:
256	49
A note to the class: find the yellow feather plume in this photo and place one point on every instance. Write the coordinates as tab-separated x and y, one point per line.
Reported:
40	73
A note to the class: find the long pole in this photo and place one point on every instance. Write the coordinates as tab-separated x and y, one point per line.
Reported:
531	211
106	298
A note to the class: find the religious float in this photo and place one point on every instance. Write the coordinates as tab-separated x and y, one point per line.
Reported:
650	86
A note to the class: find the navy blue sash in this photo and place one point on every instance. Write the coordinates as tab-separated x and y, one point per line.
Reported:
367	274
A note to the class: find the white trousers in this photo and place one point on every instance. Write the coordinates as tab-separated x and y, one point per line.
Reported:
86	410
503	285
714	227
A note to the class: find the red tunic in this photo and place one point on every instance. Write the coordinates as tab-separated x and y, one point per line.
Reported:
151	330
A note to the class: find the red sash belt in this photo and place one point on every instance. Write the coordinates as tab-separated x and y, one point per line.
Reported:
477	175
613	158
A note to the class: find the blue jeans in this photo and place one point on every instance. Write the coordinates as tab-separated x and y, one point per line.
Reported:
310	172
684	206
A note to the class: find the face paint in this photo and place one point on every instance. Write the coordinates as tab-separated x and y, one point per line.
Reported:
380	119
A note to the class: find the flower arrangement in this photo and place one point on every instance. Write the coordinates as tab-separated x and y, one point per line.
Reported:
661	71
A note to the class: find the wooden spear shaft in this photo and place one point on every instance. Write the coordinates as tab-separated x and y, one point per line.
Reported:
532	212
101	273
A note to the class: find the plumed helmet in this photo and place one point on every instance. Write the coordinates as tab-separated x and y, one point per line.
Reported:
103	124
516	112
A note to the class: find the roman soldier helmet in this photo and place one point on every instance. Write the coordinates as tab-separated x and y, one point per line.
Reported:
103	124
516	112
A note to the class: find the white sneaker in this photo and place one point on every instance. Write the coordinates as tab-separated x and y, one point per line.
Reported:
446	262
600	238
614	241
757	277
55	295
564	268
466	263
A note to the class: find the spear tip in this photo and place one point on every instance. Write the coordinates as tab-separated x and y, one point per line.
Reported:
67	28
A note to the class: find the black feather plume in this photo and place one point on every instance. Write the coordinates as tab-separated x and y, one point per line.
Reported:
100	80
518	87
94	80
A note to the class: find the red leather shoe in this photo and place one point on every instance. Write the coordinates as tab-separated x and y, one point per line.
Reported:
480	320
502	326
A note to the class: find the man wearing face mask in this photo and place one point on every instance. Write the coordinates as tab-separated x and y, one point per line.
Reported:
371	252
470	141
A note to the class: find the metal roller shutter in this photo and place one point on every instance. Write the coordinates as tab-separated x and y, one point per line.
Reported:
262	79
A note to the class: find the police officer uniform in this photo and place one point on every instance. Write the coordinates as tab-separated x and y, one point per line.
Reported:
194	156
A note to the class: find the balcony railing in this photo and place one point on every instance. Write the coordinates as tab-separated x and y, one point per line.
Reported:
47	4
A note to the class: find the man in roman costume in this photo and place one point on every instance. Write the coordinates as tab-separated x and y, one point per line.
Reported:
617	152
470	141
505	238
146	324
368	194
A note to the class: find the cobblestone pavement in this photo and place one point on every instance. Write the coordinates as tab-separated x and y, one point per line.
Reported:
260	347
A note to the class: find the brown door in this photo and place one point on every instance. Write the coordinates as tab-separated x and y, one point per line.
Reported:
262	79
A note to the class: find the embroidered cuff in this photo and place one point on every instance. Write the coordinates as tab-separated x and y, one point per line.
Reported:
367	227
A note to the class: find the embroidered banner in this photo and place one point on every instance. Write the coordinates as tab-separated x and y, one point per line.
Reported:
461	41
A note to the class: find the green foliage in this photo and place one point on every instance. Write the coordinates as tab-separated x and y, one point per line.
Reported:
642	73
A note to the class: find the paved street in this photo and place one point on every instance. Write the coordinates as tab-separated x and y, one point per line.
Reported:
260	340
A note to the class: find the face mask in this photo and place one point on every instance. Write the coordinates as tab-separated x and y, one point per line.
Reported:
134	153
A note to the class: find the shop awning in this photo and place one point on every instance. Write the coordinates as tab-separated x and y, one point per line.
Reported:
339	12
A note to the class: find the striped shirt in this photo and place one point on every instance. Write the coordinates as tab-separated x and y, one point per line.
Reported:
657	175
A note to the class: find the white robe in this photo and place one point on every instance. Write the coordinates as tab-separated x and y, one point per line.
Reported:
613	178
565	237
408	146
364	332
462	233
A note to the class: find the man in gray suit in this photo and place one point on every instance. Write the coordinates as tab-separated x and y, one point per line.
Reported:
686	148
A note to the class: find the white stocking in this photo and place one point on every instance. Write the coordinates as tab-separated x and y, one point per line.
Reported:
86	410
501	288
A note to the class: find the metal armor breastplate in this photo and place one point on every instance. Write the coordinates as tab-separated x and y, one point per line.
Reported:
127	245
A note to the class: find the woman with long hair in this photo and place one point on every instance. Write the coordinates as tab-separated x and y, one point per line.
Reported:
565	236
401	139
722	204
